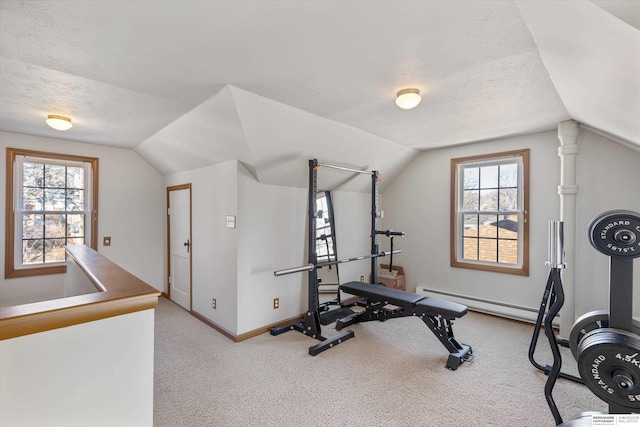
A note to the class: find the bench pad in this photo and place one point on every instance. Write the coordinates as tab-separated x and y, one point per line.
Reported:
436	306
381	293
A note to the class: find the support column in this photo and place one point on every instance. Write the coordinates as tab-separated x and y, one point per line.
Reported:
568	190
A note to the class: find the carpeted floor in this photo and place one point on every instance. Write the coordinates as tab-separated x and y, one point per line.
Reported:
391	374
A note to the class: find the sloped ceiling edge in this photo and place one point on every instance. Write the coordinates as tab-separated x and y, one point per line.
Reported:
281	140
593	61
209	134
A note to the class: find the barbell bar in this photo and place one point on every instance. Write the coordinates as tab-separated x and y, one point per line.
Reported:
310	267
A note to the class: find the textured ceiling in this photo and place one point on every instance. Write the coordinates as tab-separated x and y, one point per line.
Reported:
165	77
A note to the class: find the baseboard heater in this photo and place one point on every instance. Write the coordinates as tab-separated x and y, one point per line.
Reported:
511	311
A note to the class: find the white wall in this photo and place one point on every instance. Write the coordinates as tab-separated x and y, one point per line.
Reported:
272	230
214	246
131	201
353	228
609	179
132	212
92	374
417	202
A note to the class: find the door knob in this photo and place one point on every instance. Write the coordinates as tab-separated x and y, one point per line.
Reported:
188	245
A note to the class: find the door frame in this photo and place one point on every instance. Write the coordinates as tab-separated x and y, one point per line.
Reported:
169	190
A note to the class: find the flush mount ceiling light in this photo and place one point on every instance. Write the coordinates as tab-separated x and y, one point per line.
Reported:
59	122
408	98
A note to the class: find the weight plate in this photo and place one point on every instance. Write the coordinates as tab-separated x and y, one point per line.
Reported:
589	322
616	233
609	364
584	324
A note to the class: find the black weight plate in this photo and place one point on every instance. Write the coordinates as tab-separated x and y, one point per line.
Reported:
589	322
616	233
609	364
585	324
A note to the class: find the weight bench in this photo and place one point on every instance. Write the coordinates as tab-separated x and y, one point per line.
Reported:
382	303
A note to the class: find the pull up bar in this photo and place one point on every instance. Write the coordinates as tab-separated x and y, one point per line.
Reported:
343	168
310	267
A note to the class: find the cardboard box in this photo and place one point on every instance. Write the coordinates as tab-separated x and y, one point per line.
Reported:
393	279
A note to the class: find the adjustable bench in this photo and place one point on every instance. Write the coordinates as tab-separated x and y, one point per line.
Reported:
382	303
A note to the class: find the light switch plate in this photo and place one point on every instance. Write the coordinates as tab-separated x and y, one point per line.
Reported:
231	221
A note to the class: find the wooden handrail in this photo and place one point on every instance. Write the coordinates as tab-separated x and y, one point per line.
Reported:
118	292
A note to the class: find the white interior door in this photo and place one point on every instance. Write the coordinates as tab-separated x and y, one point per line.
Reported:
180	245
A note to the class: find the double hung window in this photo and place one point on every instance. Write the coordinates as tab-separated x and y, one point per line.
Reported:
489	212
51	203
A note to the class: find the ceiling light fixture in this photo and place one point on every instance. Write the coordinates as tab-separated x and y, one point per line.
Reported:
408	98
59	122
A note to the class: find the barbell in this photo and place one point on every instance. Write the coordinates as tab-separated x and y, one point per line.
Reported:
310	267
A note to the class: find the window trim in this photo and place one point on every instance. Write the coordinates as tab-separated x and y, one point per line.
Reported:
455	239
10	270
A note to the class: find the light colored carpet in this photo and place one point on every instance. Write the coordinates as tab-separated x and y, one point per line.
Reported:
391	374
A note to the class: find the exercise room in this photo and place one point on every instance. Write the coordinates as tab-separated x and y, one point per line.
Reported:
323	213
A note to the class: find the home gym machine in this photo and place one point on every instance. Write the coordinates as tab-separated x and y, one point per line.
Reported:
379	302
606	344
321	314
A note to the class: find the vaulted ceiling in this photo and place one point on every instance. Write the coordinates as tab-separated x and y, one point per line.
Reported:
189	84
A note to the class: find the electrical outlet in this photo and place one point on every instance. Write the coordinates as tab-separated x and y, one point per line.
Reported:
276	303
213	303
362	279
106	241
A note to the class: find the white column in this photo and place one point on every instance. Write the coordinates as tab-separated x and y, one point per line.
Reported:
568	191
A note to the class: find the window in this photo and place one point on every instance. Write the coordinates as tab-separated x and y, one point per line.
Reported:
489	212
51	202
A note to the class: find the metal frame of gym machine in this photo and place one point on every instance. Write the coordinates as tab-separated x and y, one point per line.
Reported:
318	314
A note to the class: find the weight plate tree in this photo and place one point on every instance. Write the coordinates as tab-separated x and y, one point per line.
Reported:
606	344
617	235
